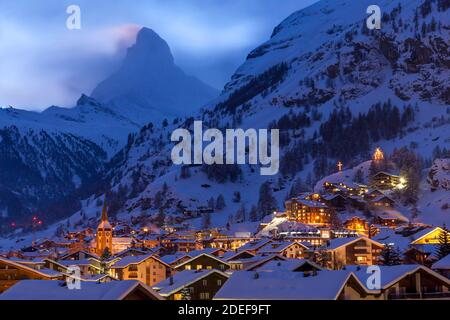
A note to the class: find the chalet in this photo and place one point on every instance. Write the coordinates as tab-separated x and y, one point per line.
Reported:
357	224
147	269
352	251
345	188
79	255
335	201
192	285
427	236
254	246
239	260
382	201
133	252
287	285
384	181
55	290
373	193
259	261
90	266
390	218
310	238
409	282
186	245
230	242
175	259
308	211
203	261
443	266
293	265
12	272
415	255
293	250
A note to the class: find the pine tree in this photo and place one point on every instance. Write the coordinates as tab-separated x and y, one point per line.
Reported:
241	214
253	214
106	254
220	202
267	202
211	203
390	256
443	249
206	220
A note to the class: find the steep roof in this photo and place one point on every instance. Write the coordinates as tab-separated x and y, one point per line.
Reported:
56	290
443	264
183	279
284	285
392	274
339	242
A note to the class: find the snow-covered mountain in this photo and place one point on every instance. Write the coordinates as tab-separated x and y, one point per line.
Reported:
47	155
150	86
39	168
335	89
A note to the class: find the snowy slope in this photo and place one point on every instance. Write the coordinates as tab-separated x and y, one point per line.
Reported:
309	42
319	60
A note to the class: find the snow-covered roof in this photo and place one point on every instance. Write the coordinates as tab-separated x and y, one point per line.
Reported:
392	274
183	279
284	285
287	265
443	264
129	260
339	242
203	254
171	258
56	290
47	273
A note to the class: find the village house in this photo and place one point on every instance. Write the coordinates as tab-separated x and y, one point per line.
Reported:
292	250
147	269
352	251
288	285
408	282
385	181
443	266
55	290
294	265
381	201
203	261
345	189
192	285
12	272
308	211
254	246
357	224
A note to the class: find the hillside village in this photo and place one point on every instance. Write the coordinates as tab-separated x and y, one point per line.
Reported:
326	238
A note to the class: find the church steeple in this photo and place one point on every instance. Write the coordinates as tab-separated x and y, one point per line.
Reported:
104	211
104	232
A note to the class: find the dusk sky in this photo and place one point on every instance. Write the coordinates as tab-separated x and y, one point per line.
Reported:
42	63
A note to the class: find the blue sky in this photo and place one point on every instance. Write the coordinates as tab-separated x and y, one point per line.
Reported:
42	63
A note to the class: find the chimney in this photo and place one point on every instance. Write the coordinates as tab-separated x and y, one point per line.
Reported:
171	282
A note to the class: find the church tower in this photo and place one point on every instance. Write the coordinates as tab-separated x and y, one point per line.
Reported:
104	233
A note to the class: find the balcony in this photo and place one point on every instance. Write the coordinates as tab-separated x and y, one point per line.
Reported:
429	295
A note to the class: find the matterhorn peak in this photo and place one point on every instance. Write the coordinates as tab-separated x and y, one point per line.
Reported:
149	48
151	83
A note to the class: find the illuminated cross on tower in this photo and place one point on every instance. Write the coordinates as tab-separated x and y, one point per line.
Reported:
378	155
340	165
